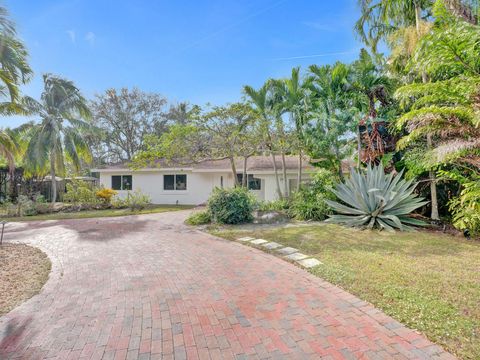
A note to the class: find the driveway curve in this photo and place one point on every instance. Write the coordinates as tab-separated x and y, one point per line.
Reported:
149	287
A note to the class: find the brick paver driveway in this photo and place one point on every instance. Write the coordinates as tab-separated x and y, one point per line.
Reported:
149	287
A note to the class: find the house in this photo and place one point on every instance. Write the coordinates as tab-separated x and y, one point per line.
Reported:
193	184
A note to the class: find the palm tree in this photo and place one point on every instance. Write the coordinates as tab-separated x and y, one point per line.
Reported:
381	18
329	88
13	59
294	100
58	136
260	99
370	86
14	71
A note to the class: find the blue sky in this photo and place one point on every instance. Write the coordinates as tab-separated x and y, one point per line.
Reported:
196	51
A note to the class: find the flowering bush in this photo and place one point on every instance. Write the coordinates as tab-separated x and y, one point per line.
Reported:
106	194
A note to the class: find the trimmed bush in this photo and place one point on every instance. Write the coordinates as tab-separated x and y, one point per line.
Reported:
309	203
199	218
231	206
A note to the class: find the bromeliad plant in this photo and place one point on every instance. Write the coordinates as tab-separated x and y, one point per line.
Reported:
376	200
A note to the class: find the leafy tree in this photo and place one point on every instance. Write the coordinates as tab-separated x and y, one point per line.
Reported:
125	118
64	116
224	132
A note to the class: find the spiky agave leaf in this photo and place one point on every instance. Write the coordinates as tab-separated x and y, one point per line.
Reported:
375	199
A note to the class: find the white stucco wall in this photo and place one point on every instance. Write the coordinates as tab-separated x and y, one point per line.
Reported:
199	185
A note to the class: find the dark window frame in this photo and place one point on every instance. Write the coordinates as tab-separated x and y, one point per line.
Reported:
119	182
253	183
175	184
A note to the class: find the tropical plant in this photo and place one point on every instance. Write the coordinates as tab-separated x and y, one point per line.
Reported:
199	218
231	206
106	194
13	62
374	199
465	208
331	116
59	135
309	203
80	193
135	201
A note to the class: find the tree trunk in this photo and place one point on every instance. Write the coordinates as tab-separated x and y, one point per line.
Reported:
340	170
284	171
245	175
359	147
299	174
234	172
431	174
279	192
433	187
53	180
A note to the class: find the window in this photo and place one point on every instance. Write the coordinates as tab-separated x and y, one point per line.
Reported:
175	182
122	182
253	183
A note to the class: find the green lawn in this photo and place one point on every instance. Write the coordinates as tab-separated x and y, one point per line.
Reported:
428	281
99	213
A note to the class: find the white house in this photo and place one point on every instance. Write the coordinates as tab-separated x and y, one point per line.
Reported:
193	184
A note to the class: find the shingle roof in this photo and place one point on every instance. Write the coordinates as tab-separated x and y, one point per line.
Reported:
254	163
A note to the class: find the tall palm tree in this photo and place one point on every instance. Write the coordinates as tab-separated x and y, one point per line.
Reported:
14	70
329	88
370	87
381	18
261	101
294	100
59	135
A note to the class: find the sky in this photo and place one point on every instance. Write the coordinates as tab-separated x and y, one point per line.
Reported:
193	50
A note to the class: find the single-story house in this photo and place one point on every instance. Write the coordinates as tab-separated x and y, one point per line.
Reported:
193	184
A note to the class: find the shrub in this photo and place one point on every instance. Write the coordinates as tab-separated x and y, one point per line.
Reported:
106	194
80	193
309	203
373	199
135	201
231	206
466	208
199	218
276	205
25	206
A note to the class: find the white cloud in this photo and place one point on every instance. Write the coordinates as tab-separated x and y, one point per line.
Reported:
71	34
90	37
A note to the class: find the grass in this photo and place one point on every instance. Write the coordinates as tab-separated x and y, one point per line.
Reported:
428	281
23	271
152	209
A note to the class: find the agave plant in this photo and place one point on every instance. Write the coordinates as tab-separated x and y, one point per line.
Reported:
373	199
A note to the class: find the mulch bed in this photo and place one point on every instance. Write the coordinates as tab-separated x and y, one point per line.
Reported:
23	271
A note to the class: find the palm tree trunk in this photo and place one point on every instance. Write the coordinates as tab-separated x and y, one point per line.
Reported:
284	172
431	174
359	147
53	180
275	170
299	174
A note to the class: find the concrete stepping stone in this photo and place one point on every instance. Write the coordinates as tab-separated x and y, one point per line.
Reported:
272	245
258	241
296	256
287	250
246	238
309	263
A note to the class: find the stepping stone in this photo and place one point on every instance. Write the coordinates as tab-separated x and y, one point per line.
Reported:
287	250
309	263
271	245
258	241
296	256
246	238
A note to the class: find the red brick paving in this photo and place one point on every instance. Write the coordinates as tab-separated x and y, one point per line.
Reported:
148	287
